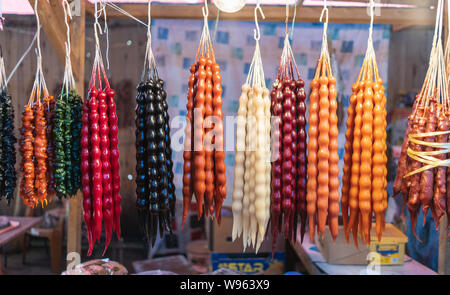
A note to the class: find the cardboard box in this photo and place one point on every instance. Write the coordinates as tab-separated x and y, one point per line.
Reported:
391	248
228	254
220	237
247	263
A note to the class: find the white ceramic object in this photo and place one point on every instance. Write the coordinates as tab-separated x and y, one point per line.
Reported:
229	6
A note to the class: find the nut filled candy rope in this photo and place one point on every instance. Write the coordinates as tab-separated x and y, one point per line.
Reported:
114	159
154	187
301	157
287	197
107	204
425	155
194	175
348	155
209	153
219	144
199	152
27	190
49	112
142	178
7	140
238	185
188	145
85	171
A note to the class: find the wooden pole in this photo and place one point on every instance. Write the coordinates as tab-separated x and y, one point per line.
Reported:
421	15
77	38
443	238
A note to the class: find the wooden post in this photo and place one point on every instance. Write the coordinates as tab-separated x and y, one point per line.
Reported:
77	38
443	238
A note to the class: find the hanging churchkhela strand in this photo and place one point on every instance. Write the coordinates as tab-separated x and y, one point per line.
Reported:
204	156
423	164
7	140
155	189
288	145
323	171
364	182
251	207
66	137
36	182
100	156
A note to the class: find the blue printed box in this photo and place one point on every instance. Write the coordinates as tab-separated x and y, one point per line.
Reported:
246	262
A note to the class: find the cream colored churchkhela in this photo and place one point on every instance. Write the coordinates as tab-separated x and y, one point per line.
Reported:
251	194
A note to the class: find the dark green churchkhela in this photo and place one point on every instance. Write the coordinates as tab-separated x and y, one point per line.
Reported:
67	137
7	147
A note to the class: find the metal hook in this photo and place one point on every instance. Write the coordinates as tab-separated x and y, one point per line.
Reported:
256	32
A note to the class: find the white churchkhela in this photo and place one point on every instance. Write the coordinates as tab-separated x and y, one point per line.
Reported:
251	195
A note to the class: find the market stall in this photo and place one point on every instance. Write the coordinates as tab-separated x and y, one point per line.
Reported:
139	171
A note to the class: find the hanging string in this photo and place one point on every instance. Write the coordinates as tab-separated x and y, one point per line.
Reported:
69	81
21	58
287	17
293	19
124	12
372	5
324	51
2	19
149	60
215	26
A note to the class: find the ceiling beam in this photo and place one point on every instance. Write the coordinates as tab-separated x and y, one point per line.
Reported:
392	16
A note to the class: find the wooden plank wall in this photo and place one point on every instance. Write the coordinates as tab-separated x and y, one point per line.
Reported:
409	51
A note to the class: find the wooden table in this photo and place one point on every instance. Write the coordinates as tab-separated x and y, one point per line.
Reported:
315	264
25	224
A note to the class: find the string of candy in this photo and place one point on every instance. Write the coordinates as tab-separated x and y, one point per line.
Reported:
7	139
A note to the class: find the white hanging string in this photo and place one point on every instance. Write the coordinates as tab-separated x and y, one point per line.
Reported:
69	81
21	59
124	12
2	74
2	19
287	16
205	39
149	60
106	31
39	82
293	19
324	50
256	72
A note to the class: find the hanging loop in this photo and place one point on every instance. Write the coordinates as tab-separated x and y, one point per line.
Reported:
256	32
205	10
66	8
324	13
287	16
149	19
372	5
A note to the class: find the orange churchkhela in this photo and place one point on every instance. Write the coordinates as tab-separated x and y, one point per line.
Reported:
364	179
204	155
323	183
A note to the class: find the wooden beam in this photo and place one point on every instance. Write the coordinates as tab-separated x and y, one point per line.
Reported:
393	16
52	20
77	38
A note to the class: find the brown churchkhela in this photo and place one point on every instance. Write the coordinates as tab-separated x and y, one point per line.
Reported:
288	178
423	175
